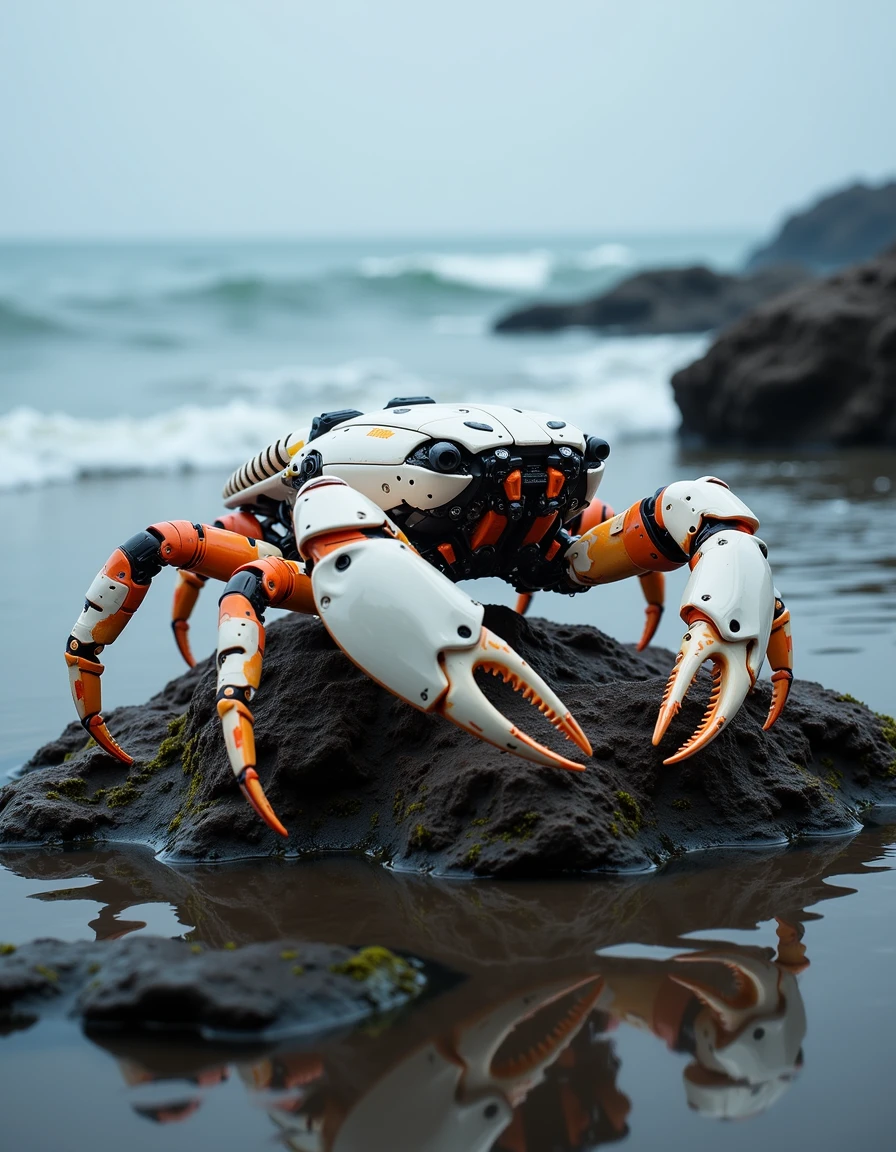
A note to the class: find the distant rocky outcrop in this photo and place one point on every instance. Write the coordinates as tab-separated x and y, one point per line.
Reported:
842	228
663	300
815	366
348	766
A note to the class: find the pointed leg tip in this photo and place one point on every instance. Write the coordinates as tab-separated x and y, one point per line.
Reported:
96	727
181	637
254	793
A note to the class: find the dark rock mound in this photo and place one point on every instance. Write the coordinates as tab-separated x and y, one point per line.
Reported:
816	366
842	228
666	300
348	766
153	983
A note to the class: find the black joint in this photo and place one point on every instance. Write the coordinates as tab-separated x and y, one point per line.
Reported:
87	651
251	585
711	528
235	692
596	449
780	609
329	420
396	401
661	539
144	551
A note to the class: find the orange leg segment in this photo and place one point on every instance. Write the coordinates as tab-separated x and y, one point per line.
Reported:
118	590
190	584
780	657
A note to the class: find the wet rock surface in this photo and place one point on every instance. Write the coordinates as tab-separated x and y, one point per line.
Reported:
147	982
844	227
348	766
664	300
816	366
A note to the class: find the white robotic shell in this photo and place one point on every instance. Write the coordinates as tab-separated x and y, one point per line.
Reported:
390	436
450	422
390	486
373	442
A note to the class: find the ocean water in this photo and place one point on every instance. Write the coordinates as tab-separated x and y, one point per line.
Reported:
143	359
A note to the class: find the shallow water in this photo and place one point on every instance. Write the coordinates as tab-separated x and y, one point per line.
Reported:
556	1016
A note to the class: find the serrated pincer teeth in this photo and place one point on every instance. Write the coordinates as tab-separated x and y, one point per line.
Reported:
466	706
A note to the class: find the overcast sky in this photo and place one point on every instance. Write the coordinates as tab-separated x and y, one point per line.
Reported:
370	117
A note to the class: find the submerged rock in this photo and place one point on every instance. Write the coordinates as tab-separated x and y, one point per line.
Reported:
158	984
846	226
663	300
348	766
815	366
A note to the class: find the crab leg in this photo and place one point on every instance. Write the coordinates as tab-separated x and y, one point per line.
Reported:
780	657
118	591
190	584
728	604
653	585
274	583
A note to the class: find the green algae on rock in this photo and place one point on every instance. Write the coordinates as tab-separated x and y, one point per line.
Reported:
427	796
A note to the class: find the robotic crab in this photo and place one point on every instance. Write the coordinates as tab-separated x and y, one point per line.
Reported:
368	519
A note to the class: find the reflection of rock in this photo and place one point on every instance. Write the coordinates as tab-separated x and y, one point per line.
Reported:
518	928
348	766
846	226
816	366
146	981
660	300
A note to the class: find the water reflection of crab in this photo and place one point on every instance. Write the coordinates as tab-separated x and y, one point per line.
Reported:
368	520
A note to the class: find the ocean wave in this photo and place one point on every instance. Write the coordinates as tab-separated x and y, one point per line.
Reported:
412	278
618	388
20	323
43	448
605	256
489	272
352	381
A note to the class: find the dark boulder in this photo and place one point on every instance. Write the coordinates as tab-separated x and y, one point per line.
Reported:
670	300
348	766
147	982
842	228
815	366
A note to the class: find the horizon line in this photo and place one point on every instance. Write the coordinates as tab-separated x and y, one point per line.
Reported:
603	235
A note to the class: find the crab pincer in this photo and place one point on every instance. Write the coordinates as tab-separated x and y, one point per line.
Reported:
465	705
733	675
